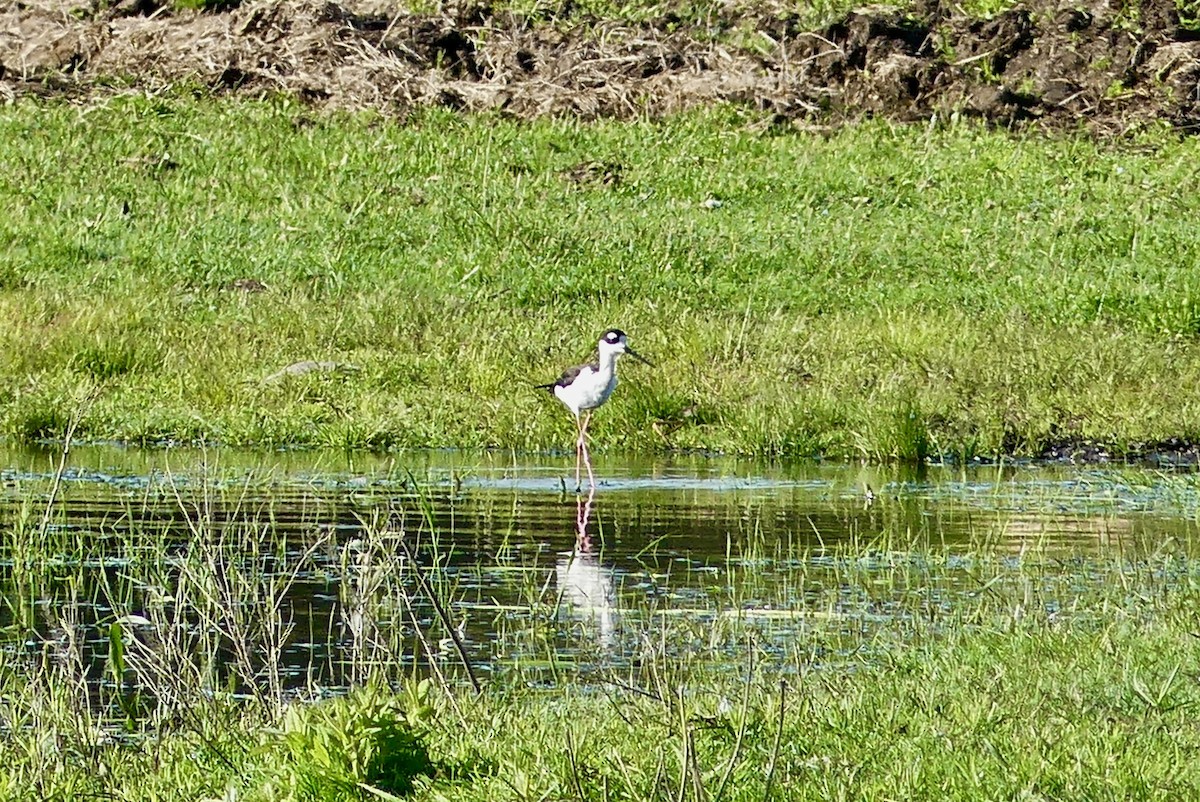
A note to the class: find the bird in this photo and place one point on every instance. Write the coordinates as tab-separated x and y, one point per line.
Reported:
583	388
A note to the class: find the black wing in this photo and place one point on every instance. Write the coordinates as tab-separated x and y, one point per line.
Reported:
569	376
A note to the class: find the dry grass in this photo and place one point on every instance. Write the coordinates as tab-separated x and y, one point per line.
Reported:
817	61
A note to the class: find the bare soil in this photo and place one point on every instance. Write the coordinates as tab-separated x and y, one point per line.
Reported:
1045	62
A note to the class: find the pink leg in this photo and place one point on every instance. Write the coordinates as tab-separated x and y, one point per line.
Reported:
578	451
587	459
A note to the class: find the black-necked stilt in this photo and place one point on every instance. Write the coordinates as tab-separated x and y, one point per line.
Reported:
584	387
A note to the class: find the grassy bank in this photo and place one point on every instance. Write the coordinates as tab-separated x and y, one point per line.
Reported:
1036	711
878	292
920	673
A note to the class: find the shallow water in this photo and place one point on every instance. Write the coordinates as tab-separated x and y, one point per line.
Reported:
672	549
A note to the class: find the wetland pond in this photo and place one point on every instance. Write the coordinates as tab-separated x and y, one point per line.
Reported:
305	571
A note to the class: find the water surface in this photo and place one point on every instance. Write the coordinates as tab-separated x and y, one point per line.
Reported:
532	575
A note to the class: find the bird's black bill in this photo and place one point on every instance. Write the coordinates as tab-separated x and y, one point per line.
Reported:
638	356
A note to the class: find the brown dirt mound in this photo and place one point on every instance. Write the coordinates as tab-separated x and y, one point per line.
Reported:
1058	64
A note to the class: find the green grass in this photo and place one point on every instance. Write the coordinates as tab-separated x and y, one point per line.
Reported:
968	718
1032	713
880	292
718	20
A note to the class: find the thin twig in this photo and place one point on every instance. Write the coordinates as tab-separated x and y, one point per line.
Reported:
778	741
574	765
694	767
741	733
68	435
433	664
976	57
440	609
687	740
624	686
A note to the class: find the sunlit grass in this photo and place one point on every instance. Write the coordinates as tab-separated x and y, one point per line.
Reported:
882	292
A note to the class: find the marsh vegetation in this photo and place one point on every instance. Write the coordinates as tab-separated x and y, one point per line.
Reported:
201	627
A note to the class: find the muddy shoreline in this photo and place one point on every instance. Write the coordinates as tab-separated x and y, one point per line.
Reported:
1050	65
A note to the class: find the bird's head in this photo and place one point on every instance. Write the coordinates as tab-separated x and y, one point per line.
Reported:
616	342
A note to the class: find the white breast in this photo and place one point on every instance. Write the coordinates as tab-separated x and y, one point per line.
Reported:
589	390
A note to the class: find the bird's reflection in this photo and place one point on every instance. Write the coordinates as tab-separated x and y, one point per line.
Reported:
587	588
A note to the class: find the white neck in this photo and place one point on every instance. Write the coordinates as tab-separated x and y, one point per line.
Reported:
608	360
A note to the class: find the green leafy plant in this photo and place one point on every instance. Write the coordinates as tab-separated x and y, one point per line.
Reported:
363	744
1189	14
